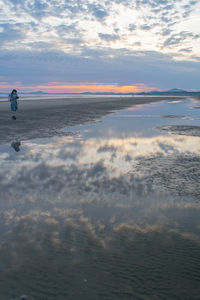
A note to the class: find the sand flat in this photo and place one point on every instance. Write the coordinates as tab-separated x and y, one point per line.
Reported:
46	117
117	202
181	129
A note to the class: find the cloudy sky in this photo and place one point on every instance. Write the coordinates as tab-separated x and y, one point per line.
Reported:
87	45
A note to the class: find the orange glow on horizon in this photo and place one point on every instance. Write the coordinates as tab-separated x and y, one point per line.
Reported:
57	87
81	88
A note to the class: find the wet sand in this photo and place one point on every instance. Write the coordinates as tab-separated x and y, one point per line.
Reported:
46	118
182	130
76	223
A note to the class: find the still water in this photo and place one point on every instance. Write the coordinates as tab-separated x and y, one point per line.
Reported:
110	211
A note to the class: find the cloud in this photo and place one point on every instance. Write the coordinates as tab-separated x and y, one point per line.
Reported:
145	27
132	27
188	50
176	39
173	40
70	35
108	37
65	31
166	32
98	10
111	66
11	32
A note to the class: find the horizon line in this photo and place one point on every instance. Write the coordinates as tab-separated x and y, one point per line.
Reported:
175	90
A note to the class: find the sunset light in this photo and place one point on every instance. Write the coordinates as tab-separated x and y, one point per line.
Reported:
56	87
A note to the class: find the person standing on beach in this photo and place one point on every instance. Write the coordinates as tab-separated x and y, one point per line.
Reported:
13	103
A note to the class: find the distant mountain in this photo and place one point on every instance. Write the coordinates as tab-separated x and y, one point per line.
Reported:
102	93
38	93
176	91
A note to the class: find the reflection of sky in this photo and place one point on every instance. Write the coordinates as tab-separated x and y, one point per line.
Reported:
114	145
141	120
117	187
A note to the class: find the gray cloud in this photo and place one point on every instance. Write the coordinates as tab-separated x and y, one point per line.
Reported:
166	32
145	27
196	58
98	10
187	50
166	12
132	27
166	19
125	67
40	9
189	8
11	32
91	64
186	34
109	37
176	39
173	40
66	29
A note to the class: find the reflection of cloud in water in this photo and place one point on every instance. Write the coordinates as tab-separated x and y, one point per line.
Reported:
68	168
63	150
93	150
76	215
69	253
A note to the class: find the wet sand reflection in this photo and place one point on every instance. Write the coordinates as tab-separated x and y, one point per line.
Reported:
105	217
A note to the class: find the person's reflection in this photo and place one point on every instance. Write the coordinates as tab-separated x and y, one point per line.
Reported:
16	146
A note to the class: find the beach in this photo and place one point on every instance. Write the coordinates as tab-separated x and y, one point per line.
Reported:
46	117
100	199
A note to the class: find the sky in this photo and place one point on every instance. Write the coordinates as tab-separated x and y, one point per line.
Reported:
108	46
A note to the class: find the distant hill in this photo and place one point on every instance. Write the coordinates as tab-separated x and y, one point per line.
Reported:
176	91
103	93
37	93
171	92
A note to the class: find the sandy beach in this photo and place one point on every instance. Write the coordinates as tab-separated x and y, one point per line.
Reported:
100	192
46	118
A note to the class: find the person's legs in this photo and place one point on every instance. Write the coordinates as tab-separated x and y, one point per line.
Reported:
13	114
13	109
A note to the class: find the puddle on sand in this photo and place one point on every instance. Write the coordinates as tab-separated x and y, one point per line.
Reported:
111	212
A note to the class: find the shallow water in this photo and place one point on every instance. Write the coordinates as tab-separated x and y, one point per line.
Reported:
109	212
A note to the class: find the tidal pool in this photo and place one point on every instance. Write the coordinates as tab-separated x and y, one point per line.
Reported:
110	211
